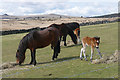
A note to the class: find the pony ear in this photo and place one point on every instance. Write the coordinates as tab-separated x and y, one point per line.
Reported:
99	38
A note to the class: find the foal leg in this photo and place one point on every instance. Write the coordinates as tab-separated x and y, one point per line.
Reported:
81	54
84	53
99	52
92	51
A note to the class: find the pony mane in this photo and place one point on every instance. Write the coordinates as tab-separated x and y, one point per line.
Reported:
23	45
55	25
73	25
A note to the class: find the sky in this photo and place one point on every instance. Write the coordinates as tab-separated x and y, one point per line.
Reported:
78	8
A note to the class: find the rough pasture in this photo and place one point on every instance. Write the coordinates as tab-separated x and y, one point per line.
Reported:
68	64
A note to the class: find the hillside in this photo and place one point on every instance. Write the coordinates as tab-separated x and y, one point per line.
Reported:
6	16
26	22
107	16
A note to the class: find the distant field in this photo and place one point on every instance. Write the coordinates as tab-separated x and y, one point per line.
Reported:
68	64
15	24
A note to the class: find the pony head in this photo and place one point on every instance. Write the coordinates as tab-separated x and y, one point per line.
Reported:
97	41
20	57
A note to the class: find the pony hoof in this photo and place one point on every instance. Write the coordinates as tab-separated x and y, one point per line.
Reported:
91	60
65	44
30	63
19	64
34	64
52	60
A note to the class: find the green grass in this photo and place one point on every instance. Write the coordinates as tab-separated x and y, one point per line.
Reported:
68	64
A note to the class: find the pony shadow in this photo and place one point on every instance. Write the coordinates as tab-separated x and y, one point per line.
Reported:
58	60
73	45
66	59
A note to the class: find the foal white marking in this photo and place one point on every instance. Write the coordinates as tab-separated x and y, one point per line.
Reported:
83	50
97	41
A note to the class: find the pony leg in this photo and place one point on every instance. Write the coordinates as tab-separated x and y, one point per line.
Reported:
53	56
60	38
33	52
34	56
99	52
92	51
64	39
56	50
31	57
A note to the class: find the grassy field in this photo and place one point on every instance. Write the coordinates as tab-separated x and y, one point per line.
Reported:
68	64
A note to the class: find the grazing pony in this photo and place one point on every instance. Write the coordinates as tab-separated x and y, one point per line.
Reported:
65	30
39	39
69	28
93	42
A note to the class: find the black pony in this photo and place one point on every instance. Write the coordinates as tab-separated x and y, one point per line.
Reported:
68	29
39	39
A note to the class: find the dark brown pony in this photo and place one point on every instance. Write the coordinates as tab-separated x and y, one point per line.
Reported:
68	29
39	39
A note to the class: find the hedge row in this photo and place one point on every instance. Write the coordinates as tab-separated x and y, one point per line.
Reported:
97	22
19	31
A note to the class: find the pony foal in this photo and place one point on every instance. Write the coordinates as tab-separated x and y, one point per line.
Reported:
93	42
